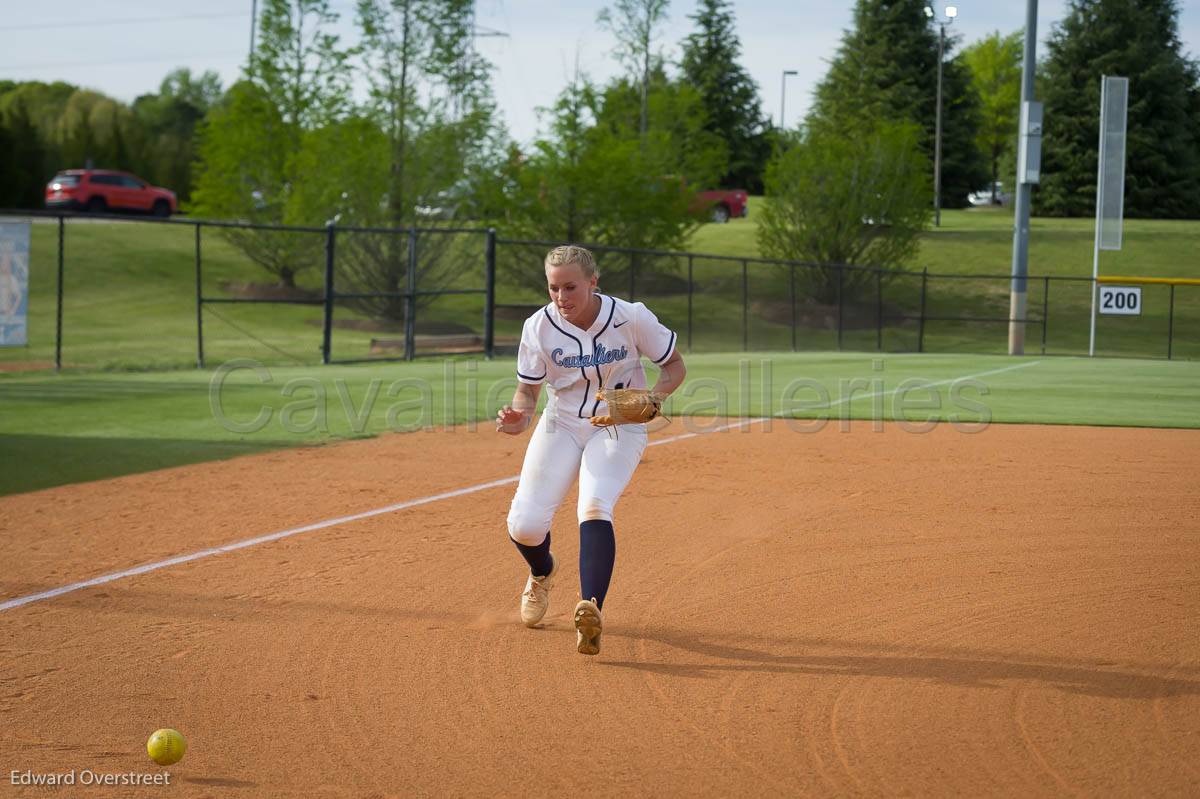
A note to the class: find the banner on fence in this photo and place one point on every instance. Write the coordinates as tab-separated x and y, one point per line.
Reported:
14	283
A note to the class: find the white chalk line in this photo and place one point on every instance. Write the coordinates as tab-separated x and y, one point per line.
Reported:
412	503
263	539
249	542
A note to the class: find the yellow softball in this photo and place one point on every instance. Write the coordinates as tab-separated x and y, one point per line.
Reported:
166	747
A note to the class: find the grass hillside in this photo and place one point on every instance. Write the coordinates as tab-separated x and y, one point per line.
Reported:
130	300
978	241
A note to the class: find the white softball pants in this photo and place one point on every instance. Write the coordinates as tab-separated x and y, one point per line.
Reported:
560	450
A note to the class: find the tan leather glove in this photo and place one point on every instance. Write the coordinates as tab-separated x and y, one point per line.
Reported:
628	406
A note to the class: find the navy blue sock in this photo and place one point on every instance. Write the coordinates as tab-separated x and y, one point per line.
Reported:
537	557
597	553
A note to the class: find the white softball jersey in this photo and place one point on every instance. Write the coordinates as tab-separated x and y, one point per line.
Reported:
575	364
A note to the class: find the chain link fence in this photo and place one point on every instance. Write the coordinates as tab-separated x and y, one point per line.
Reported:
119	292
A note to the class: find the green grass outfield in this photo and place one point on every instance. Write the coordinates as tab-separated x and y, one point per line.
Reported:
58	429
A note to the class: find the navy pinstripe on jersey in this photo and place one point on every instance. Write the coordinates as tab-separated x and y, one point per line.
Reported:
583	371
612	308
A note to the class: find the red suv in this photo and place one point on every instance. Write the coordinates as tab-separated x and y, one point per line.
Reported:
721	204
100	190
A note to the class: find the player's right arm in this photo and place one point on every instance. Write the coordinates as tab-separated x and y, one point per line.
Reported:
515	418
531	372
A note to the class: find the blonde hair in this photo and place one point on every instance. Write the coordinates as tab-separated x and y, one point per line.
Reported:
571	254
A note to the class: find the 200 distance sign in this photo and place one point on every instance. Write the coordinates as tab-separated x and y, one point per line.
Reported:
1121	300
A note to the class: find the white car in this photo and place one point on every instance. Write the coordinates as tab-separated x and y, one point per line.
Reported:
984	196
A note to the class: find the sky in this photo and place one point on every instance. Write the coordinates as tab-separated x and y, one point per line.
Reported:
125	48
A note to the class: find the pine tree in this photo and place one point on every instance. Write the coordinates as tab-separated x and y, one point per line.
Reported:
1137	39
728	93
886	70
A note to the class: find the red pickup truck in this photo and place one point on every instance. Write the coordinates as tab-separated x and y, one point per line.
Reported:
721	204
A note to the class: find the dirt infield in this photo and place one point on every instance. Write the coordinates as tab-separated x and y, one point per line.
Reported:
1011	612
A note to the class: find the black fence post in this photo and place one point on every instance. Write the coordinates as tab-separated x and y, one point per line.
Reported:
879	311
633	258
327	324
793	295
59	311
489	303
199	306
1171	322
691	286
921	324
841	305
410	300
745	306
1045	312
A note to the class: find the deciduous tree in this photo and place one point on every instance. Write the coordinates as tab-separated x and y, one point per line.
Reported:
22	156
167	122
995	65
635	25
245	173
298	80
838	198
592	179
430	98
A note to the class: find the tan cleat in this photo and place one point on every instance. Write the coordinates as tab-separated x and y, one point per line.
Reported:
536	599
588	627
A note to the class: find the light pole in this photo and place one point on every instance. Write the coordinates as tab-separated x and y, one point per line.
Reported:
253	21
951	13
1029	143
783	95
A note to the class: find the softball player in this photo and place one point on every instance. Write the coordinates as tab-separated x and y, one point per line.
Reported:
580	342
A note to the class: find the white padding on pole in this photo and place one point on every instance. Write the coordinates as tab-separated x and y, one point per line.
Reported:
1110	180
1112	160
